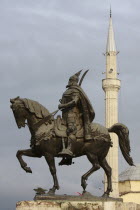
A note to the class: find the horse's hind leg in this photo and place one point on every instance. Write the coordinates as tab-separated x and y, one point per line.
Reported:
51	162
94	160
29	153
108	172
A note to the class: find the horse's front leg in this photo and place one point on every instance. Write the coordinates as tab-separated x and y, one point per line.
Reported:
51	162
29	153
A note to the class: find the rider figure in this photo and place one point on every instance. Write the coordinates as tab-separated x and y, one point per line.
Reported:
77	112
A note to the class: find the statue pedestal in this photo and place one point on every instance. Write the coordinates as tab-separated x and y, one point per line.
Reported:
75	202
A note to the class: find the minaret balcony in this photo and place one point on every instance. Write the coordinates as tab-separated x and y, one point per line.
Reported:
111	84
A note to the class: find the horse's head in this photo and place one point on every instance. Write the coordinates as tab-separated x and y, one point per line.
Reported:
24	109
19	111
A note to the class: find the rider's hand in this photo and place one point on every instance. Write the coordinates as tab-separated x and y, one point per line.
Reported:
60	106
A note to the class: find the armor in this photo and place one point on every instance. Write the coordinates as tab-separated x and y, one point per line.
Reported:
77	111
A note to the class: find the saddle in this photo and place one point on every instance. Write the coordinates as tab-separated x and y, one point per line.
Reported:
60	129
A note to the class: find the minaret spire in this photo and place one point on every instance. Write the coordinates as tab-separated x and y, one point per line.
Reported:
111	86
110	12
111	46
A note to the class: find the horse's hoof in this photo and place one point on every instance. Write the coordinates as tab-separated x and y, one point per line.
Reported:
57	188
86	194
28	169
84	184
51	192
105	195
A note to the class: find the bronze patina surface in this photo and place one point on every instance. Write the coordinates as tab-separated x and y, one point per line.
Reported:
69	137
75	198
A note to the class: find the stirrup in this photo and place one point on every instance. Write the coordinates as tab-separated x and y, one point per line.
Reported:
66	152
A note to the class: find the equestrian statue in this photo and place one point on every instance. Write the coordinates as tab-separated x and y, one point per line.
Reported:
70	136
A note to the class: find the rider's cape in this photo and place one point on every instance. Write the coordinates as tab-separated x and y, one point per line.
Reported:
87	106
87	111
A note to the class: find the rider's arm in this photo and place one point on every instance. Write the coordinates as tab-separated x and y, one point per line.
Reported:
69	104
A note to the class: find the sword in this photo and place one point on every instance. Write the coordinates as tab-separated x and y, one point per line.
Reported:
45	119
81	80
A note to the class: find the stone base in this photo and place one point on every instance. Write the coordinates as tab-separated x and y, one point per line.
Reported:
75	203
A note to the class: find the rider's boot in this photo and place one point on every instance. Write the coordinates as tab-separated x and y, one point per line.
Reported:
68	151
68	155
69	148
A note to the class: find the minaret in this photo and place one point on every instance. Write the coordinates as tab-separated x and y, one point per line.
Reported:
111	86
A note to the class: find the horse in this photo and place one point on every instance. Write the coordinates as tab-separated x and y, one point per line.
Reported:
45	142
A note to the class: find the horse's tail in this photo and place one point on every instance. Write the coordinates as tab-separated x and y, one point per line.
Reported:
123	134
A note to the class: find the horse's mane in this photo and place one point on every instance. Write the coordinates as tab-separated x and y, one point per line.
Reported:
35	108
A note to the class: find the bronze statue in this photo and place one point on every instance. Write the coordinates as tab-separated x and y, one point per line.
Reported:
71	136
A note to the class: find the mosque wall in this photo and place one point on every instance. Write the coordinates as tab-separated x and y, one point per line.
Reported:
130	191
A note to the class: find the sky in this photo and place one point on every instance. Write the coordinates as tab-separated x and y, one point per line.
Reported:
42	44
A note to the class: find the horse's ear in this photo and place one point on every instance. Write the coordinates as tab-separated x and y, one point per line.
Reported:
12	101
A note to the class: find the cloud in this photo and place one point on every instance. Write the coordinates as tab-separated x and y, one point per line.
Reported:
43	43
